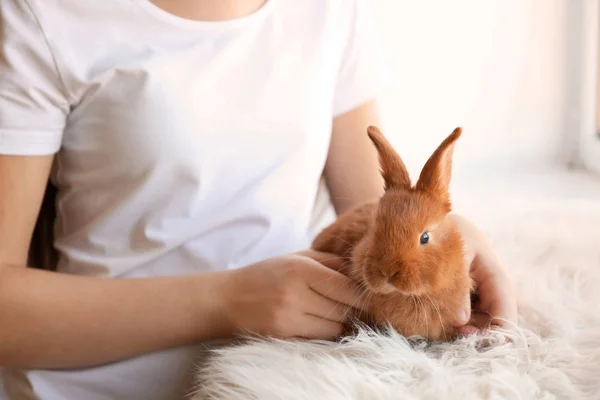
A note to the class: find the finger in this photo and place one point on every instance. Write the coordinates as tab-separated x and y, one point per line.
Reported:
319	306
319	328
333	285
480	320
496	290
478	323
506	312
329	260
498	299
464	313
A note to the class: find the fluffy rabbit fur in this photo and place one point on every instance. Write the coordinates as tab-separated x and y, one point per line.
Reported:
405	249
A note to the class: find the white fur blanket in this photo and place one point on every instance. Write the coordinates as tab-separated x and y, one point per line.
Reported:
553	250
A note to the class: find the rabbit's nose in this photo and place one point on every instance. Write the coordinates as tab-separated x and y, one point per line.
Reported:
393	276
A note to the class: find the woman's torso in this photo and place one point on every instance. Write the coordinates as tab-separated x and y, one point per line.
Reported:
193	146
190	147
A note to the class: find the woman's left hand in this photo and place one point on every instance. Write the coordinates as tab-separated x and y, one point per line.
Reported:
496	290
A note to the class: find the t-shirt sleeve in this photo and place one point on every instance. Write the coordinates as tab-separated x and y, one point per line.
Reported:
362	74
33	102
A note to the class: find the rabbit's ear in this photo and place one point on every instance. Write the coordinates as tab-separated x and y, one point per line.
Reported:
436	174
393	170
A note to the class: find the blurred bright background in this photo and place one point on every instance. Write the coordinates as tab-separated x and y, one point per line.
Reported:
520	76
497	68
515	74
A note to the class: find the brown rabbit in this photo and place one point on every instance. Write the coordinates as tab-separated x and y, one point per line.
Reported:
405	249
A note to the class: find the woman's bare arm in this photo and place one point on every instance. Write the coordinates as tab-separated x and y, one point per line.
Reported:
50	320
352	170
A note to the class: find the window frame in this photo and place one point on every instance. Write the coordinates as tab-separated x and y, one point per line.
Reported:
588	115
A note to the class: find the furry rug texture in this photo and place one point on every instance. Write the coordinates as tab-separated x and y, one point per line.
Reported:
553	251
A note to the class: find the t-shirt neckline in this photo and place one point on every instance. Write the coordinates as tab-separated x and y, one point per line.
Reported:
186	23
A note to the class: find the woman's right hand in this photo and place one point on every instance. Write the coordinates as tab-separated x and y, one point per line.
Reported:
296	295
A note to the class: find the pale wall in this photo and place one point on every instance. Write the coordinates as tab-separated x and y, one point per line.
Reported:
498	68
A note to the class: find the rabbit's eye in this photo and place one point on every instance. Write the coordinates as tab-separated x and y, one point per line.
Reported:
424	238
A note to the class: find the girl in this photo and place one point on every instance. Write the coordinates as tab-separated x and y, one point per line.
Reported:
187	139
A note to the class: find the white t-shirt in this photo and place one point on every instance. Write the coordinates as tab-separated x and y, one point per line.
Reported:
181	146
